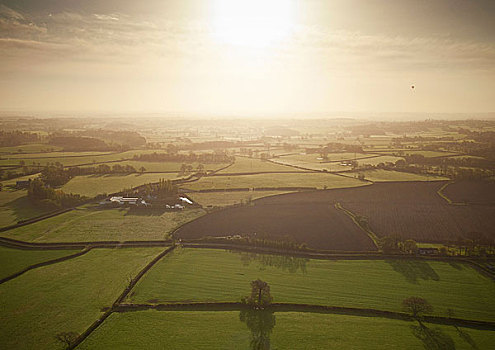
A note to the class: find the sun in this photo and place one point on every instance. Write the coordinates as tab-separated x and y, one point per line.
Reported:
253	23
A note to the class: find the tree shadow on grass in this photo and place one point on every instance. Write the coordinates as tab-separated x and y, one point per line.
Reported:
433	338
466	337
261	324
456	265
24	208
414	270
285	263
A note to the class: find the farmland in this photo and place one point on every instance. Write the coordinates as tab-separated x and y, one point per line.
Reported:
330	227
410	210
381	175
15	206
225	198
92	224
190	275
471	192
315	180
291	330
252	165
301	211
45	301
13	260
92	185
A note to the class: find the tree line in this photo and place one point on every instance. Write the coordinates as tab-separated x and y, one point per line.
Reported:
41	193
215	157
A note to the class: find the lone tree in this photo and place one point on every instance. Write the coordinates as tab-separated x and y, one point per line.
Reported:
260	295
68	338
416	306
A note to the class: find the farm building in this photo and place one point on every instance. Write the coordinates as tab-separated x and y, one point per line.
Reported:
428	251
118	200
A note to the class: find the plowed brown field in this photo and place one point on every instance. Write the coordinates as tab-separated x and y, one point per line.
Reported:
408	210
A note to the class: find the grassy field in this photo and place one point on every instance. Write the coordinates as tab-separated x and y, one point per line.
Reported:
92	185
221	199
13	260
319	180
91	224
63	297
381	175
291	330
248	165
15	206
194	275
312	161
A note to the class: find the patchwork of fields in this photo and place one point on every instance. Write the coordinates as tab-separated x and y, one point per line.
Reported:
65	297
410	210
315	180
193	275
42	303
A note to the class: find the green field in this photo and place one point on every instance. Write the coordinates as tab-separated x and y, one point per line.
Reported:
313	161
251	165
14	260
381	175
319	180
92	185
15	206
195	275
221	199
88	223
67	296
291	330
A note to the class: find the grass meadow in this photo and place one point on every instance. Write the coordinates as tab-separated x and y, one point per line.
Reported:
251	165
64	297
92	185
88	223
381	175
221	199
15	206
14	260
291	330
318	180
218	275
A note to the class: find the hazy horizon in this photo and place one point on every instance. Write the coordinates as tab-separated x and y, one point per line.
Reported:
241	58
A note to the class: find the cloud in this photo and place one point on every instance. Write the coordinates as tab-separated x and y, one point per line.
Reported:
125	39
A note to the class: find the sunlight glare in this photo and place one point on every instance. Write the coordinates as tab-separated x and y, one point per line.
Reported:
253	23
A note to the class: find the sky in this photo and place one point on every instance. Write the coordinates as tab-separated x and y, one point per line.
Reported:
250	57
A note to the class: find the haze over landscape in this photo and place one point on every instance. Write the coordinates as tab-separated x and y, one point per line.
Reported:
247	57
247	174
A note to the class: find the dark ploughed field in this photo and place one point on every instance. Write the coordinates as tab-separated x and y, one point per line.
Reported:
472	192
409	210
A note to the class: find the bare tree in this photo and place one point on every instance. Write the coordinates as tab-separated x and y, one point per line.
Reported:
416	306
